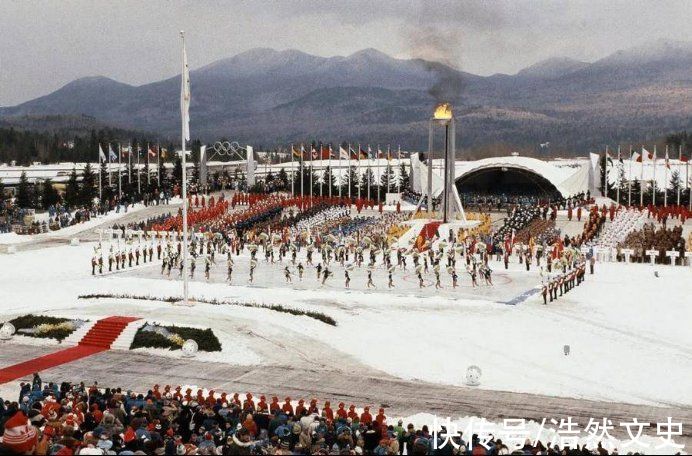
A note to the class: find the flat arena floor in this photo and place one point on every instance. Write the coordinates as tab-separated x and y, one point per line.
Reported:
508	285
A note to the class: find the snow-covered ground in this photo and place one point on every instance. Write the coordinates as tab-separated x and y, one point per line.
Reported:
628	330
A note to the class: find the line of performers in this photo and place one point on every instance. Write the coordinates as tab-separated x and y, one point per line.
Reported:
563	283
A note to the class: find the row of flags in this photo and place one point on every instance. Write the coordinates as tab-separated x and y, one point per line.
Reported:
648	157
126	151
325	152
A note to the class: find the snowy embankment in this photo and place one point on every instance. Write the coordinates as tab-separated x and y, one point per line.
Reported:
628	330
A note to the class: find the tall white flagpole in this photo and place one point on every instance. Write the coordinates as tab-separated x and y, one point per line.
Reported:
679	172
665	180
139	174
129	163
329	189
349	173
399	166
629	181
120	174
605	184
100	152
653	198
158	165
618	181
293	174
641	179
360	181
185	135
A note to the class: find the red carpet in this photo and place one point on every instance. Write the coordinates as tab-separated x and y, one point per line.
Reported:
98	339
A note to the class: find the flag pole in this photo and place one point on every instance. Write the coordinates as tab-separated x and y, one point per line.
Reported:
679	173
665	180
120	174
348	163
329	189
129	163
653	193
184	104
398	158
629	181
618	189
148	167
360	181
605	184
293	174
641	181
99	171
139	174
158	165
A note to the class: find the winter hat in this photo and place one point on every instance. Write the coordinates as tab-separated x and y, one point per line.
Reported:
19	436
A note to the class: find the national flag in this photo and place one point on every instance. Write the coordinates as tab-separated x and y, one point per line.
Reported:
151	152
667	159
313	153
124	151
111	155
325	152
362	155
343	154
620	156
296	153
102	155
636	157
163	152
185	96
369	151
684	158
646	156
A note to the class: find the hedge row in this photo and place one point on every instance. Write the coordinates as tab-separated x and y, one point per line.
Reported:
205	338
30	321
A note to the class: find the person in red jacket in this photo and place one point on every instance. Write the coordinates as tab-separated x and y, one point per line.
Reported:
287	407
262	406
366	417
248	403
300	408
274	407
313	407
328	412
156	392
236	400
381	418
341	411
352	412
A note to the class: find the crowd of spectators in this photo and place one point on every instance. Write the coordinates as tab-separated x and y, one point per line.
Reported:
80	419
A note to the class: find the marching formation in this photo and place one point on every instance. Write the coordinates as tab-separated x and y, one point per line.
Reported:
321	242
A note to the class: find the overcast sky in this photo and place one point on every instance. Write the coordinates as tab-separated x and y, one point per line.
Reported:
46	44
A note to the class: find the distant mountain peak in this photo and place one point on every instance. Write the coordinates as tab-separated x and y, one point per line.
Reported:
553	67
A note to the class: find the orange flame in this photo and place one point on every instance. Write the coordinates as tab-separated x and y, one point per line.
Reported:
443	111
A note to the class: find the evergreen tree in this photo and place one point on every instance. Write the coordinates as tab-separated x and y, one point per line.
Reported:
72	190
404	177
368	181
675	184
283	179
88	190
178	171
2	191
388	180
49	195
354	181
24	193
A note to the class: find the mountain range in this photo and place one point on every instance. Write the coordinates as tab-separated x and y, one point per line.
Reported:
268	97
